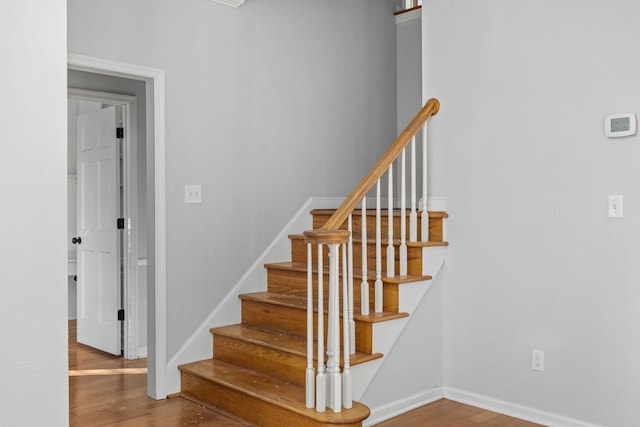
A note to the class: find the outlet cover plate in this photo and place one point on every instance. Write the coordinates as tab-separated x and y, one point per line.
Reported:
193	194
537	360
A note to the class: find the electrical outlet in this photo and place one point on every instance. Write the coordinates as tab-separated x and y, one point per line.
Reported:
193	194
537	360
614	209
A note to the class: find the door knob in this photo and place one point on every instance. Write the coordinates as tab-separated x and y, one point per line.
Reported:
76	240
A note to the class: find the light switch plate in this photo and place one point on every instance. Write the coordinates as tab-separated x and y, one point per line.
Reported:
193	194
614	208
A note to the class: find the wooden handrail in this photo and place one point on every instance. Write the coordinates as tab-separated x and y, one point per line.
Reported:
431	108
411	9
330	388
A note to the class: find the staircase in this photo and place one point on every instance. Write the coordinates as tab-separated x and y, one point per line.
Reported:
259	372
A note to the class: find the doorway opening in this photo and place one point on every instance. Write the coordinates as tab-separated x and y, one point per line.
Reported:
105	191
154	210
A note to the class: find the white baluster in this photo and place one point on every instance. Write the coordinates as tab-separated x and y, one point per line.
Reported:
347	389
333	338
310	383
391	251
364	286
413	216
321	386
403	215
378	282
425	214
352	323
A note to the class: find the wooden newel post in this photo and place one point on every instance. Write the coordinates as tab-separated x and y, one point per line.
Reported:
328	386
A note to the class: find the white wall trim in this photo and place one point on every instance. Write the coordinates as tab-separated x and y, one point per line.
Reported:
232	3
156	78
97	96
401	406
199	344
513	410
142	351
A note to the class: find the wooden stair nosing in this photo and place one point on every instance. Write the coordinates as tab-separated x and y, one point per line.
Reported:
293	320
434	224
371	240
372	212
270	390
302	268
279	341
300	303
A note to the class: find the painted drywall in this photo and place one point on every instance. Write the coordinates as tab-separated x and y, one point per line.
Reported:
409	66
33	250
412	370
267	105
520	153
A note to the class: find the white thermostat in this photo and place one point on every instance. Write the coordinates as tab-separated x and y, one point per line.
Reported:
617	125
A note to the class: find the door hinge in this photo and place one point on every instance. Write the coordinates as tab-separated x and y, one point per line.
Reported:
120	133
121	314
120	223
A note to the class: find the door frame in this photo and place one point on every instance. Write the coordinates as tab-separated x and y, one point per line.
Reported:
156	167
129	108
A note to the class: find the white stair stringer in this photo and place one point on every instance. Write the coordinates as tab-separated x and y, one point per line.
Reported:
385	334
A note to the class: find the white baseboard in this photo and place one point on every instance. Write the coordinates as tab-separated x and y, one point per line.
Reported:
232	3
393	409
512	409
142	352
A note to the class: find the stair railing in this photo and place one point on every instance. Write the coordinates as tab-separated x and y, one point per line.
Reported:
329	387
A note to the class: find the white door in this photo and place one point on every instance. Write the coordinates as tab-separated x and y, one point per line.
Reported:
98	237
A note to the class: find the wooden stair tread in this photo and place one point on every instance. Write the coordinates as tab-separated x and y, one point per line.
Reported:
297	302
269	389
281	341
302	268
259	367
372	212
357	238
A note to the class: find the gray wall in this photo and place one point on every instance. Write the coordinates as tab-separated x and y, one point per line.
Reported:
33	247
522	159
267	105
409	66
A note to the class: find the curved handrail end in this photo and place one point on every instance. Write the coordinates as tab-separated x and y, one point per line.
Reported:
326	236
436	105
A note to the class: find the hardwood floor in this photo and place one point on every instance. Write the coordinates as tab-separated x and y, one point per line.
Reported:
115	394
446	413
107	390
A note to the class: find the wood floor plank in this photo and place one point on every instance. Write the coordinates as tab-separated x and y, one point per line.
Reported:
447	413
120	399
